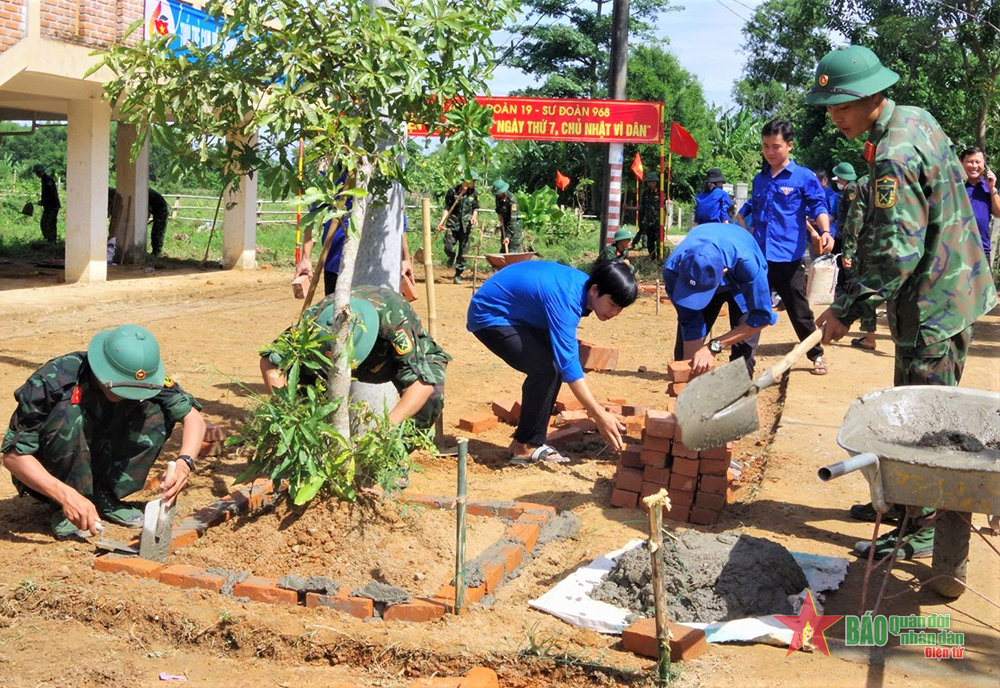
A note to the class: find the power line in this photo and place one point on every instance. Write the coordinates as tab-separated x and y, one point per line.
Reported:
732	10
752	9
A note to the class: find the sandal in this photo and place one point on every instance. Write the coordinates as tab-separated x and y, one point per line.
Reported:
542	453
859	343
819	367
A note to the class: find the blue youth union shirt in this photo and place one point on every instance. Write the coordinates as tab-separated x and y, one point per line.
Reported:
712	206
746	276
780	206
832	208
540	294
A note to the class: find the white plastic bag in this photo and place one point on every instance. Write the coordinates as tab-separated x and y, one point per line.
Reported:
821	280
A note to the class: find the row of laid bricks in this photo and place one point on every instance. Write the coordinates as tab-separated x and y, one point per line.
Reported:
526	517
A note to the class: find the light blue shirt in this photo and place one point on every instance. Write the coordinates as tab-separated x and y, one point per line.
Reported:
547	296
780	206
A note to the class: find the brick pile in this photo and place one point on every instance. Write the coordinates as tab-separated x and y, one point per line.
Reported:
700	484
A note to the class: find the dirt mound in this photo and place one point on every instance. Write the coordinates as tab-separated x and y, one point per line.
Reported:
408	547
709	578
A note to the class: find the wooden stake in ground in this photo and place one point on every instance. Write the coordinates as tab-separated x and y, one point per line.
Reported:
657	297
655	503
463	452
425	212
475	261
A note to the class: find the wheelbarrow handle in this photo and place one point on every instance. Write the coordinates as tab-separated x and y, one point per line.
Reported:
855	463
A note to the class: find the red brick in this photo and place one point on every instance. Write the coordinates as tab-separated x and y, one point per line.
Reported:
567	401
432	501
684	483
679	371
360	607
710	500
616	409
561	438
417	611
526	533
184	576
513	556
686	643
480	677
682	450
649	457
214	433
730	495
711	366
133	566
660	424
533	508
674	389
630	410
620	401
478	421
567	417
659	476
703	516
656	443
540	519
265	590
716	484
211	449
683	466
629	479
507	410
493	573
677	512
631	456
714	466
679	497
624	498
593	357
472	595
182	538
649	489
723	452
634	425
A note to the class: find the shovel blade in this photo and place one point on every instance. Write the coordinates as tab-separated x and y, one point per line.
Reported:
717	407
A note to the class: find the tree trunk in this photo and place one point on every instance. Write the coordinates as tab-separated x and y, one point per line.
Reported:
984	108
339	374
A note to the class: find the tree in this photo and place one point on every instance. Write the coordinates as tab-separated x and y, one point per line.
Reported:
342	74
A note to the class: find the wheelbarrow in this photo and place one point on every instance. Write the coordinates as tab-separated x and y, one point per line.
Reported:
887	435
498	261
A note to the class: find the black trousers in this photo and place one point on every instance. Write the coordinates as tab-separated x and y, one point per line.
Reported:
747	349
528	350
329	281
789	280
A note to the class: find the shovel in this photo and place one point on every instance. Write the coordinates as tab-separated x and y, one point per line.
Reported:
158	524
721	405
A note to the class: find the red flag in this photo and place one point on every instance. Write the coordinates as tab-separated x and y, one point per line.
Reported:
562	181
637	168
682	142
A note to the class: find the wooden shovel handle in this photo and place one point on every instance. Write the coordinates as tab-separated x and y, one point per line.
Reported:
779	368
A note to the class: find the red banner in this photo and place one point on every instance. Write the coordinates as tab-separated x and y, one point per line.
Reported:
556	119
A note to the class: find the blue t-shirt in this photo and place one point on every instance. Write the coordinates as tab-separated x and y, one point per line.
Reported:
979	196
712	206
548	296
832	208
780	205
746	276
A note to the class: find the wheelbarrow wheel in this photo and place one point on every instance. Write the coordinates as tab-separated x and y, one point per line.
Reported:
951	553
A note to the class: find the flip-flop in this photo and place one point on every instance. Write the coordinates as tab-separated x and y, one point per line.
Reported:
542	453
859	343
819	367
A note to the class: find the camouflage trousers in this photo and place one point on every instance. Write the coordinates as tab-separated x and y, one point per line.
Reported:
868	320
113	456
431	410
515	238
940	363
456	243
48	223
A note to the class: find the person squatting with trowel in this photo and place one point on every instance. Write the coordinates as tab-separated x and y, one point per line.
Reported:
90	424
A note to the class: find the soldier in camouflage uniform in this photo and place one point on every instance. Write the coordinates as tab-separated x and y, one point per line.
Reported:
918	251
461	211
618	248
89	425
509	216
649	214
849	226
390	345
50	204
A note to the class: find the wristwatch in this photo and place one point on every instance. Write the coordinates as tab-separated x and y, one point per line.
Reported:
715	346
188	460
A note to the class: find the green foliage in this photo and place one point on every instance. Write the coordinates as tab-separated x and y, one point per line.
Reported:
467	145
736	144
541	214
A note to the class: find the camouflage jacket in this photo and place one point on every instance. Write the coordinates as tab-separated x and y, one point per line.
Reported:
852	216
847	194
468	203
65	385
924	258
507	211
610	252
649	208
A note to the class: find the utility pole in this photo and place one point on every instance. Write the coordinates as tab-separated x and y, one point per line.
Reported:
617	78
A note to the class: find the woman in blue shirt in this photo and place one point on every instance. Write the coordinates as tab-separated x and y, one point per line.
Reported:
528	314
713	203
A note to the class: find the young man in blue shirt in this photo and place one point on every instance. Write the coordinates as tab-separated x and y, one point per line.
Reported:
717	264
528	314
784	195
981	185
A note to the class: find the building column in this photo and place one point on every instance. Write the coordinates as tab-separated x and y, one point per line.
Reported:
239	224
88	131
132	183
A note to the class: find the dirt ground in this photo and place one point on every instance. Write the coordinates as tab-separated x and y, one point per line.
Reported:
93	629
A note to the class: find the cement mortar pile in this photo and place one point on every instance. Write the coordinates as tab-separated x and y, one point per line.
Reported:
709	577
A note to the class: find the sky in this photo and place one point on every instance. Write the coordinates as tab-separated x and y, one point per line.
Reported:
705	36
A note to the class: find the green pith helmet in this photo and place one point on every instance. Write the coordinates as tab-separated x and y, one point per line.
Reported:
651	177
847	74
622	234
38	169
127	354
845	171
499	187
365	330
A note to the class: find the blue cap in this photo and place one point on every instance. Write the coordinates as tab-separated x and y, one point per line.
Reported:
699	274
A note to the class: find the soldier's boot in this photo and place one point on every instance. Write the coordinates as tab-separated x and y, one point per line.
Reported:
118	512
915	545
63	529
458	276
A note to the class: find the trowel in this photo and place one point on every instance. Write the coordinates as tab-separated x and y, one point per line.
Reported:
158	524
721	405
